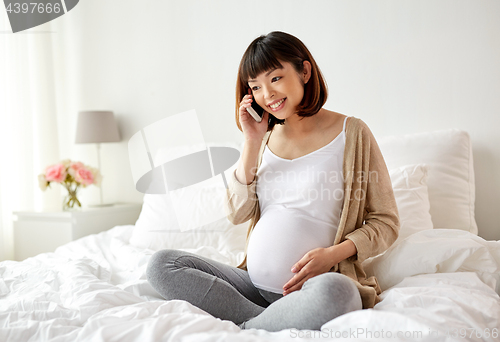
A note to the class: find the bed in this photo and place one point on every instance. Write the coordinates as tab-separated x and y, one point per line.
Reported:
440	281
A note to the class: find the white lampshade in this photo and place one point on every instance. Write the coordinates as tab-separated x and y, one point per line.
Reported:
96	127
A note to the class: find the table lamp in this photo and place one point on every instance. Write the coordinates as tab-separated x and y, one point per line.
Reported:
97	127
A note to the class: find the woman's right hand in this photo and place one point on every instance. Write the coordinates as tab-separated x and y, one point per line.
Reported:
252	130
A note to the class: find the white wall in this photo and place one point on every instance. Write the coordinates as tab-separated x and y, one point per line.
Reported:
401	66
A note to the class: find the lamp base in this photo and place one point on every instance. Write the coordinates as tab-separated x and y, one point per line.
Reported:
101	205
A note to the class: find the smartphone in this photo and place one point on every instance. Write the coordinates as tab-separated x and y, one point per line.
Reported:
256	111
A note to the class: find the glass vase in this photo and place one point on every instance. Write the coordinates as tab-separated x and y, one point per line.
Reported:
71	202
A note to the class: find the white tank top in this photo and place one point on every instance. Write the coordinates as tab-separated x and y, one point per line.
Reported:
300	203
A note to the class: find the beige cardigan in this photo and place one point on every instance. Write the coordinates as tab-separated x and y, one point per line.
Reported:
369	215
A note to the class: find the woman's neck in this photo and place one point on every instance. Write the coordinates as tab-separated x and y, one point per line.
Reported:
297	127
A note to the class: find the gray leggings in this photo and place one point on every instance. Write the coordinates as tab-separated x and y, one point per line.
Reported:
227	292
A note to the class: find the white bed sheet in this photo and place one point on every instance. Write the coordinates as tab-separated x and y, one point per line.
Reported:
434	284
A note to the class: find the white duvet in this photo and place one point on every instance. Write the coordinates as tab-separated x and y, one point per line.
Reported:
438	285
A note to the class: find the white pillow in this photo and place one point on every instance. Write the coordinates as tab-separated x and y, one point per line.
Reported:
410	190
158	228
448	153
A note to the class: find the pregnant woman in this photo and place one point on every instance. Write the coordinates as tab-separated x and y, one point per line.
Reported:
317	192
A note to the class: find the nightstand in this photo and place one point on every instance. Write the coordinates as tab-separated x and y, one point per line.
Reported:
40	232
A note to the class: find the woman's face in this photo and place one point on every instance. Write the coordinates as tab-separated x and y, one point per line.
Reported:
280	91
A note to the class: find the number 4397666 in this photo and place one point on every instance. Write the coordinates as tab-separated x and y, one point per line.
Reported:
33	7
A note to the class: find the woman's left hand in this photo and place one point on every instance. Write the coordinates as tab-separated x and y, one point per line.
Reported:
313	263
316	262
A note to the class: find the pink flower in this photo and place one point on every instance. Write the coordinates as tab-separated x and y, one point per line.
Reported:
97	176
77	165
55	173
73	167
84	176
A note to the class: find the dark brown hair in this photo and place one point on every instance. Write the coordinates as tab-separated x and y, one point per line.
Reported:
265	53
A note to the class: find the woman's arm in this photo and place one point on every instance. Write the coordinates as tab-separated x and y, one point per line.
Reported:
241	192
247	166
381	217
240	199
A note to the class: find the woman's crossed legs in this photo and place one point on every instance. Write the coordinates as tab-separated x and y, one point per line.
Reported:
226	292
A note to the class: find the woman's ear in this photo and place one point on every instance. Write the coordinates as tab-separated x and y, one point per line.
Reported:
306	74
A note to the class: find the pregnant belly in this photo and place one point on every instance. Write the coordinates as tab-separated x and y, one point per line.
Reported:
280	238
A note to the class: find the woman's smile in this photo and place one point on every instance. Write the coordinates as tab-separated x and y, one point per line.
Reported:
277	105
